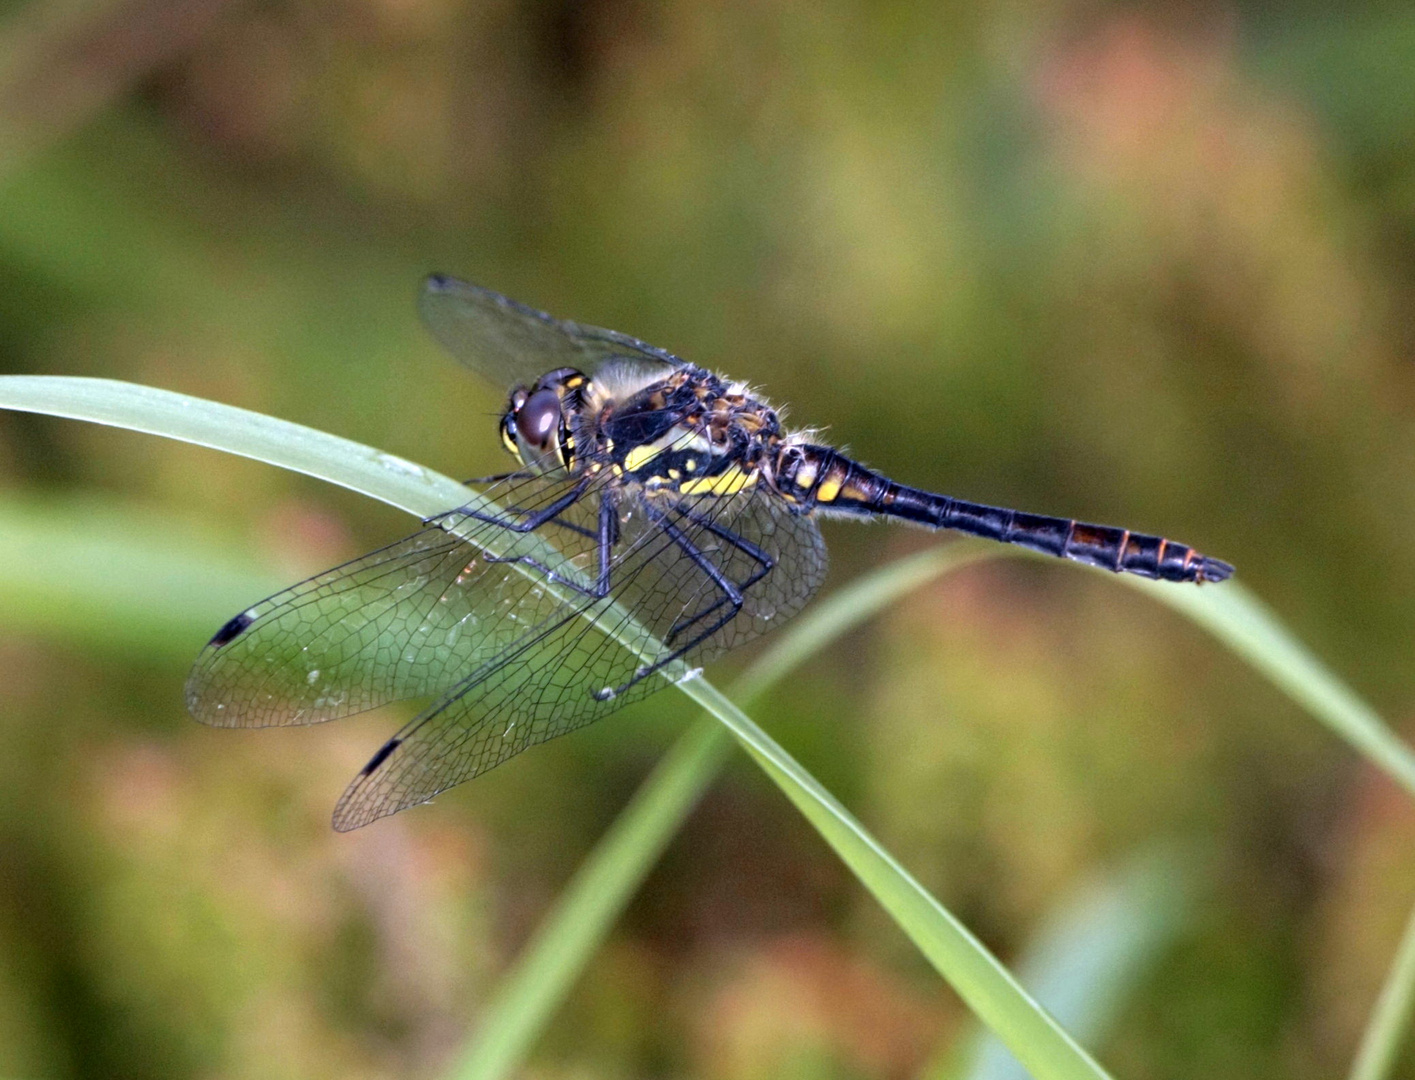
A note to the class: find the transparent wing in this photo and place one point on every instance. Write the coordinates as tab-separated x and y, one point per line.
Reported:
509	342
509	659
409	620
555	678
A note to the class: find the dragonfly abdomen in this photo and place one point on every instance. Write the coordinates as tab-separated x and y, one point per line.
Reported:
827	479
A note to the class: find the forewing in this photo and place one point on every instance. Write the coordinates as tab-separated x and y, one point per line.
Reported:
553	680
509	342
409	620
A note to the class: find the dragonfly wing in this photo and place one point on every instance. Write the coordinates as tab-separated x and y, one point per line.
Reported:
409	620
553	680
509	342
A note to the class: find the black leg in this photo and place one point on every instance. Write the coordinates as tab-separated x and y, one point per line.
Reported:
766	563
604	546
519	474
528	523
580	530
732	596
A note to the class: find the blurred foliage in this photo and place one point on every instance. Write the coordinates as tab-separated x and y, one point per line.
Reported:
1128	262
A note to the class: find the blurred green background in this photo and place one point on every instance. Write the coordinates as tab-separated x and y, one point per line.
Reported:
1144	264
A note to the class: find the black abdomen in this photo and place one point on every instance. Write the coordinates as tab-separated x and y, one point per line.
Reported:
818	476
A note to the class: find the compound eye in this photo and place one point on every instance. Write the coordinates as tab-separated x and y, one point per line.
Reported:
539	417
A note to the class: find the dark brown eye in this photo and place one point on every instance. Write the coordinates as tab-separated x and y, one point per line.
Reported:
539	417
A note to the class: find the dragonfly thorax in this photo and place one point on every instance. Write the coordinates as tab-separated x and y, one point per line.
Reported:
692	433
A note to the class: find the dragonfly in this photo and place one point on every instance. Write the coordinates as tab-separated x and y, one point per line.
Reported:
658	516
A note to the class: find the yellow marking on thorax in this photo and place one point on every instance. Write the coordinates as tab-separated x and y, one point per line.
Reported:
640	456
729	482
675	439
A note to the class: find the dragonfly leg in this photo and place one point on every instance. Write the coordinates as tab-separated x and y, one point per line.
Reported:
765	564
604	546
529	522
579	530
732	597
589	534
518	510
497	478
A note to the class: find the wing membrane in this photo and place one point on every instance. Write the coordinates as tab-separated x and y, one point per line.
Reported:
406	621
509	342
508	660
551	682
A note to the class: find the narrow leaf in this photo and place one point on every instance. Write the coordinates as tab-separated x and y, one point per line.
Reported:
1091	952
589	905
107	577
1245	624
1380	1045
1035	1037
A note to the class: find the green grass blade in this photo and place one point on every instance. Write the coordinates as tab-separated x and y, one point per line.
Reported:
529	994
1037	1040
851	605
994	996
349	464
109	579
1376	1056
1241	621
589	905
1090	954
379	475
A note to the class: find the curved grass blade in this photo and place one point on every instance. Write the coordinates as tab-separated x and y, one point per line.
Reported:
1037	1040
300	449
529	994
1380	1043
95	573
1090	954
593	899
989	990
1245	624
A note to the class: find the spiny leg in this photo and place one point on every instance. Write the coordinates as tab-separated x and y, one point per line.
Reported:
559	523
604	546
498	478
578	530
766	563
530	522
527	474
732	596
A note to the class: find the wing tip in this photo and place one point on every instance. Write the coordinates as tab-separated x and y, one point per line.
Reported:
354	809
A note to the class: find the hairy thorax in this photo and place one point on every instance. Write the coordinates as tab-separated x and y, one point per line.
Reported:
693	433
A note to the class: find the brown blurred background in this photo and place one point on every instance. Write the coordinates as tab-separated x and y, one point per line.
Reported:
1134	263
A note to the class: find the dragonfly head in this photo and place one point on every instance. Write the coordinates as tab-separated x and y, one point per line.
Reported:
536	424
